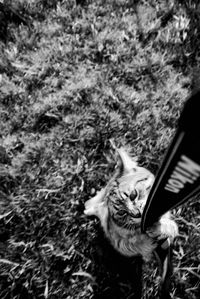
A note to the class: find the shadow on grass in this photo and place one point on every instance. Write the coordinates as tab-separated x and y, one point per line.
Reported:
115	276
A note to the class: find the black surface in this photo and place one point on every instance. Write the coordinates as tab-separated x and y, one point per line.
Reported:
185	144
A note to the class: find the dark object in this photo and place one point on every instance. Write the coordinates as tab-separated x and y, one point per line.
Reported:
7	183
178	179
3	24
45	121
7	15
168	16
12	15
4	158
81	2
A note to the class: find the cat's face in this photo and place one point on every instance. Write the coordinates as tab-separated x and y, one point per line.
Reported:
127	198
133	189
125	195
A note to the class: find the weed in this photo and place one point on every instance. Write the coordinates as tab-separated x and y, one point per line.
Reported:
77	74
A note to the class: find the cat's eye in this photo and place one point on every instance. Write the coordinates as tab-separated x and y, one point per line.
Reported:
121	213
133	195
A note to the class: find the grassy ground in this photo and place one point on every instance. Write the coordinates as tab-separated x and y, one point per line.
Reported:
81	73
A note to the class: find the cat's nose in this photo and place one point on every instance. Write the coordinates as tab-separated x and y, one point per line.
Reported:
133	195
137	213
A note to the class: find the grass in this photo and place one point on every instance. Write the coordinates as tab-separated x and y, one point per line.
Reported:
83	72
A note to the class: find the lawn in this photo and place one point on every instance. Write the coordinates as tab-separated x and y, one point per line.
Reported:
74	74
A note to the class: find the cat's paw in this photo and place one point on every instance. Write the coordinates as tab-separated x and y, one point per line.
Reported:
89	208
168	228
165	228
93	205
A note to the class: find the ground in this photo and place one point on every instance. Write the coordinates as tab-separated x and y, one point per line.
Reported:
74	74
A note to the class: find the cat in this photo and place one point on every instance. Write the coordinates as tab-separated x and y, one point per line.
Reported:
119	207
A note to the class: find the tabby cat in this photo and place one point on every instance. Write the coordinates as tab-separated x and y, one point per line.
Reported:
119	207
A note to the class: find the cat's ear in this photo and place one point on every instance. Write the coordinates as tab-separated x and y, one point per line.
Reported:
124	161
127	163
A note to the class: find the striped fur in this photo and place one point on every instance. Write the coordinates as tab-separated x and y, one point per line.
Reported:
119	207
